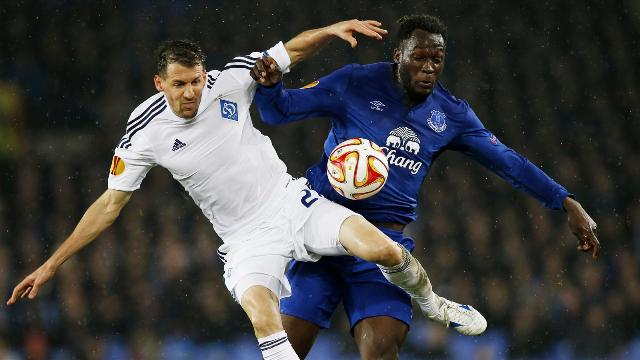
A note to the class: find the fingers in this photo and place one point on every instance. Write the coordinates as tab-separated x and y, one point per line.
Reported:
595	243
351	40
591	239
588	242
348	37
266	71
584	228
375	26
368	29
255	73
20	291
271	63
258	72
32	292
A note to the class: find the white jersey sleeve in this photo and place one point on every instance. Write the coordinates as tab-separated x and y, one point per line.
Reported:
240	67
134	157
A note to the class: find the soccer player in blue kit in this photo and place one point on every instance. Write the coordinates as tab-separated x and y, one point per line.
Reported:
401	106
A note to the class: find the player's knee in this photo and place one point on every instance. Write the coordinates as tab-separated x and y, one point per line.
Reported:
265	324
389	254
261	307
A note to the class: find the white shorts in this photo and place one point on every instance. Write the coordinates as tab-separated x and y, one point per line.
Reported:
304	226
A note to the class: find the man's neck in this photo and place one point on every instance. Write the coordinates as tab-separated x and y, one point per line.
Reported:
409	100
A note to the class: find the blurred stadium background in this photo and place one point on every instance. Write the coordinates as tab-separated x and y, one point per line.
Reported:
556	80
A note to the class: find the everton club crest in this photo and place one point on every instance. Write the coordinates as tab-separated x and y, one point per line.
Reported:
437	121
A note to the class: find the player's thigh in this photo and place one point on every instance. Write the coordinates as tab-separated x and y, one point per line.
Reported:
302	334
364	240
246	267
330	228
322	227
380	337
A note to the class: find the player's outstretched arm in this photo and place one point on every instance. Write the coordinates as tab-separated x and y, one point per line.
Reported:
99	216
524	175
309	42
582	226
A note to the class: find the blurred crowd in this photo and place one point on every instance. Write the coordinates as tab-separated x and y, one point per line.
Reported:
557	81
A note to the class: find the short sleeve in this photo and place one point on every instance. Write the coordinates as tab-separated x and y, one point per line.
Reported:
130	166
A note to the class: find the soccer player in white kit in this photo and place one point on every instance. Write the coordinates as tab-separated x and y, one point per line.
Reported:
198	127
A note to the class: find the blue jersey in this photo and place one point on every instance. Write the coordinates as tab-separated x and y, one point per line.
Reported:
365	101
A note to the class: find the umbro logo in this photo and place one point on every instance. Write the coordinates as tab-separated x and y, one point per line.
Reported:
177	145
377	105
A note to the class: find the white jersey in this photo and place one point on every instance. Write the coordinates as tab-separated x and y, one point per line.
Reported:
225	164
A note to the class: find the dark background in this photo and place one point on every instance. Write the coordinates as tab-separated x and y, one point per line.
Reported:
556	80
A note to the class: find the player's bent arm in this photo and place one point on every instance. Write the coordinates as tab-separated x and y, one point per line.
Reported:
99	216
524	175
268	71
307	43
322	98
278	105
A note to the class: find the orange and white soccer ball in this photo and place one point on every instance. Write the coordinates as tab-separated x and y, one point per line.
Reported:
357	168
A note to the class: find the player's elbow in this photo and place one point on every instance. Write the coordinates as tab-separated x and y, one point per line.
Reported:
114	201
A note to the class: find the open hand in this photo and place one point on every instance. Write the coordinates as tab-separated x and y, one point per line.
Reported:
583	227
30	286
345	30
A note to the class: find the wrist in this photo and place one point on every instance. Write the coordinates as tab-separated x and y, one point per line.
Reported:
569	203
328	31
53	263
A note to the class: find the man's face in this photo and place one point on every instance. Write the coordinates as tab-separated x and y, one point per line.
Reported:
420	60
182	87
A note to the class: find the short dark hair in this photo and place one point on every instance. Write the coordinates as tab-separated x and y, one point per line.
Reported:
183	52
427	23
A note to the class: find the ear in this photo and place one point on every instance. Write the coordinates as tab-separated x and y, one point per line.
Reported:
396	56
157	81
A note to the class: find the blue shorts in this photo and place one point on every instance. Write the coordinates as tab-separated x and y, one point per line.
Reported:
318	288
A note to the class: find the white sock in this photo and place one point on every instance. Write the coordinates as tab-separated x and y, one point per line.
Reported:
277	347
410	276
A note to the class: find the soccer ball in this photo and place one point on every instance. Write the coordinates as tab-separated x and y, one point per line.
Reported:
357	168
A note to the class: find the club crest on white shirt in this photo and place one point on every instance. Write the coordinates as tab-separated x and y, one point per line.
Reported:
437	121
229	110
